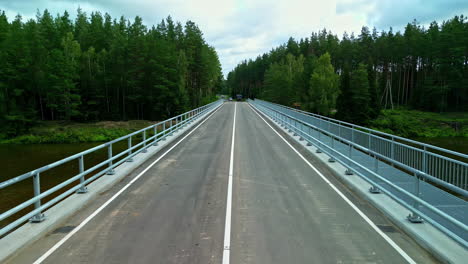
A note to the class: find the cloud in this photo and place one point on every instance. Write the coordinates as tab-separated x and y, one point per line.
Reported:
243	29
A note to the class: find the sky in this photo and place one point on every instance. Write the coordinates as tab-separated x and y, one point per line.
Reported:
243	29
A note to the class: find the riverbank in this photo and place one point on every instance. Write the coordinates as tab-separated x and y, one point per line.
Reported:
71	132
417	124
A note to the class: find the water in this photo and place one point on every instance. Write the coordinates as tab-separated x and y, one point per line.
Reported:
20	159
458	144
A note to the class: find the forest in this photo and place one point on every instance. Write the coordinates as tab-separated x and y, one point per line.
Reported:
96	67
353	78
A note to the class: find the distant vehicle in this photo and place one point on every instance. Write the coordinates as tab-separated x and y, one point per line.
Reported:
230	98
239	97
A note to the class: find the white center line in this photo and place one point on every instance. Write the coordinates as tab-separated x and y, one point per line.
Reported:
89	218
382	234
227	225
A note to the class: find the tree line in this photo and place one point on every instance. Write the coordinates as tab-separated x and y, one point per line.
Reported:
100	68
354	77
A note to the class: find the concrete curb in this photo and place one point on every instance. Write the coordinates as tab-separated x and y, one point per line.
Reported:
427	236
28	233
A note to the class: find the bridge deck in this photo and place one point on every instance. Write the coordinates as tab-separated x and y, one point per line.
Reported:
283	211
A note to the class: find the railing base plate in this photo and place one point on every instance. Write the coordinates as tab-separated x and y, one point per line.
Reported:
414	218
37	218
374	189
83	189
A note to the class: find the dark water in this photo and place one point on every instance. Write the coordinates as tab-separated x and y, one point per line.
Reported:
458	144
19	159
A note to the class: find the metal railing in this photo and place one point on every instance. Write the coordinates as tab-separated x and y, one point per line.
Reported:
381	162
160	131
429	159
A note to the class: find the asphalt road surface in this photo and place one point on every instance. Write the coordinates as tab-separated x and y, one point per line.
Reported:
282	210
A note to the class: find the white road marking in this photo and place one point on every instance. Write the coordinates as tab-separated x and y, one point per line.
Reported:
89	218
227	225
382	234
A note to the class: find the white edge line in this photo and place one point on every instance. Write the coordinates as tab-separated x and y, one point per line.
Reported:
90	217
227	225
382	234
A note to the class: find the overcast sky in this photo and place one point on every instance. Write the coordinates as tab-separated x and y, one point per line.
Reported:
243	29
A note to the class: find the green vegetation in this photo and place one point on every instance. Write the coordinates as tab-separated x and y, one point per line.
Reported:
72	132
418	124
98	68
426	68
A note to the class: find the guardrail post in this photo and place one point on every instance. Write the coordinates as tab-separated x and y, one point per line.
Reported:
83	188
39	217
155	130
349	171
369	147
414	217
319	141
164	131
310	135
393	151
424	161
171	128
332	159
295	128
109	156
373	188
129	145
144	142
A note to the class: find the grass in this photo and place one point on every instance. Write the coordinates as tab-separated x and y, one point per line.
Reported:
70	132
418	124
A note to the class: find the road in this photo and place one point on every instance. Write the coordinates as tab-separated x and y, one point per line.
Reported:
283	211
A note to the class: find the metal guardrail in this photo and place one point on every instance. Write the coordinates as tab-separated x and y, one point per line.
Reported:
345	145
160	131
417	155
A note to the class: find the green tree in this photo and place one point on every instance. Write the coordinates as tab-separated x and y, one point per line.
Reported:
359	107
324	88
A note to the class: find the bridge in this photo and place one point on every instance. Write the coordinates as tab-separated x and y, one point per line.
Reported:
246	182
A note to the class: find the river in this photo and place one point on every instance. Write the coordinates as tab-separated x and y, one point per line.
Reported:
22	158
